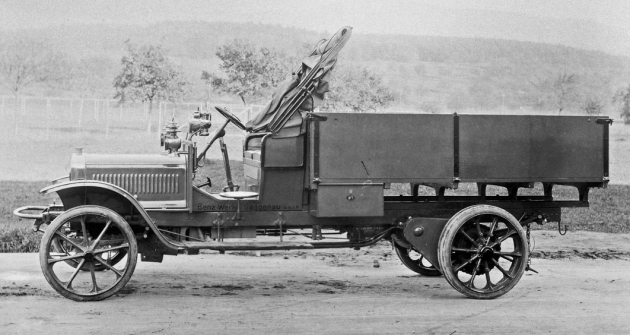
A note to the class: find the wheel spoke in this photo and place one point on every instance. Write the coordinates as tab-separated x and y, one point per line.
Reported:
506	257
501	269
471	251
503	238
118	247
471	283
113	269
492	227
469	238
466	263
60	259
65	238
100	236
507	235
489	284
93	273
478	226
512	253
85	233
68	284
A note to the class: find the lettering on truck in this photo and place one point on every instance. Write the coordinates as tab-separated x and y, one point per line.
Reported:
251	208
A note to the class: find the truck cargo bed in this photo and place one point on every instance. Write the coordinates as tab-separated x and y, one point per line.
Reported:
443	149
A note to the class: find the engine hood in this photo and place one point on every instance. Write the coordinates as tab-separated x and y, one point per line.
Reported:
129	159
155	180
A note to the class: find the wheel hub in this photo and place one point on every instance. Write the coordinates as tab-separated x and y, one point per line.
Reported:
484	251
89	256
487	251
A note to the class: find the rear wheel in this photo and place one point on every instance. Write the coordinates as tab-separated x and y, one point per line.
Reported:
483	252
86	236
415	261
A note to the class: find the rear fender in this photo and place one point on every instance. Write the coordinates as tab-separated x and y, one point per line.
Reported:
424	235
93	192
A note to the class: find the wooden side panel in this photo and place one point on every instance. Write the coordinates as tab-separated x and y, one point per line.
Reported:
515	148
384	148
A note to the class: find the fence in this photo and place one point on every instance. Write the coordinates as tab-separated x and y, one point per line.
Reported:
47	115
41	133
103	115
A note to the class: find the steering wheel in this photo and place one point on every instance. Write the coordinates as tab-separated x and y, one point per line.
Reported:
236	121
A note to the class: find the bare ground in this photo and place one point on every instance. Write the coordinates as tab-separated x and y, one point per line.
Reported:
583	287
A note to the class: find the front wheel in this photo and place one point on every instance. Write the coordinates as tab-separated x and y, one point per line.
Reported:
112	257
92	233
483	252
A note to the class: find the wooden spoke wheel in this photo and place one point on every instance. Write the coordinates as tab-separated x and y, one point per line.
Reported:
85	238
483	252
415	262
64	247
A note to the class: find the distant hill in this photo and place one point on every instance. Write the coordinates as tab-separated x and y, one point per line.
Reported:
429	73
471	23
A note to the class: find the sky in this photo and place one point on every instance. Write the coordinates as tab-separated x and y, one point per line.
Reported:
367	16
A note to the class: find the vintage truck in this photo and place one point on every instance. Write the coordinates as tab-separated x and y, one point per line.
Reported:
318	175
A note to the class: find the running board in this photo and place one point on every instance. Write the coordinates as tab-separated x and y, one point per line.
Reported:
223	246
247	245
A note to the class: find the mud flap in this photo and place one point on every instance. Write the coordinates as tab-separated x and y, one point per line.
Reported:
151	249
424	235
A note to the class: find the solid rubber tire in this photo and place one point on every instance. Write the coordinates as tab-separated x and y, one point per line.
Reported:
448	235
132	256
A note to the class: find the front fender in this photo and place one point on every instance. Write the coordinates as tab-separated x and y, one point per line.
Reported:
93	192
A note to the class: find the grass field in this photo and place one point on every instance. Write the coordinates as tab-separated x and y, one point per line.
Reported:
16	235
41	139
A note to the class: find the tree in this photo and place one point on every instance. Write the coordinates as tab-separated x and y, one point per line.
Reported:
558	91
25	61
593	106
89	76
623	97
249	73
563	89
148	75
356	89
